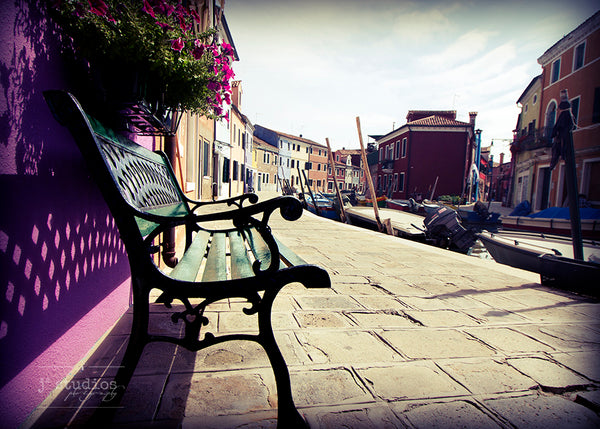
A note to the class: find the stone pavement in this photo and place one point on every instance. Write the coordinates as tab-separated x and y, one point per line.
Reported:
409	336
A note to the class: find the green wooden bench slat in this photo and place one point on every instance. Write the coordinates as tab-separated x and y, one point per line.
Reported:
189	265
172	210
216	262
258	246
288	257
240	260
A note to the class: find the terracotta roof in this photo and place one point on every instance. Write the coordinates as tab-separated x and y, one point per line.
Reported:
438	121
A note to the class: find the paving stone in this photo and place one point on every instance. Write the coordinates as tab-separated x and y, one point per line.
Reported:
585	363
380	303
590	399
558	314
494	316
141	398
487	376
321	319
564	337
508	340
547	373
355	418
543	412
443	415
326	302
345	347
390	319
340	279
441	318
411	380
209	394
328	387
358	289
425	343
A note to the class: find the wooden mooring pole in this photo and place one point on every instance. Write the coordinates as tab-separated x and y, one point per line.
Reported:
337	190
363	155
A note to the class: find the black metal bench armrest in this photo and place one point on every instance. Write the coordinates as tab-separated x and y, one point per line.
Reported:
238	201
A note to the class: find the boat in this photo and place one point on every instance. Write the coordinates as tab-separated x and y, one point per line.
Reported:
324	204
363	201
550	256
402	224
555	221
409	205
478	217
445	230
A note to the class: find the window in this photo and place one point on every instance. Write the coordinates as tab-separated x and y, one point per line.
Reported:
205	158
235	170
526	107
292	163
575	110
404	147
397	150
591	180
555	74
401	182
390	151
579	56
550	118
395	181
225	169
534	99
596	112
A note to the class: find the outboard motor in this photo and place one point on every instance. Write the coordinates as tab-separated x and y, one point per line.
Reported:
444	228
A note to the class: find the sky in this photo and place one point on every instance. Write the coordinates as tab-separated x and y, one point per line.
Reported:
311	67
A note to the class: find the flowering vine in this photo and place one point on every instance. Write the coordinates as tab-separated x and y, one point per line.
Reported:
182	67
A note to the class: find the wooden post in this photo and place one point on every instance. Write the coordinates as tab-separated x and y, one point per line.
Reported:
337	190
369	179
312	197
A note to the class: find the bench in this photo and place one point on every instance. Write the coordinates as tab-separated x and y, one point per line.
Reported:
242	260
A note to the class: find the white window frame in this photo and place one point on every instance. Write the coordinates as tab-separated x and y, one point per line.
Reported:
555	64
575	68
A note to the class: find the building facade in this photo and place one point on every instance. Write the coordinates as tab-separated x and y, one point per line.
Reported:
265	164
432	149
571	64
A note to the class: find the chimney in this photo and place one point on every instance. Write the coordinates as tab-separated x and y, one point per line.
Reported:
236	94
472	116
502	158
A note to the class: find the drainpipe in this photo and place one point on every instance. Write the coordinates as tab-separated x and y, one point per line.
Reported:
168	243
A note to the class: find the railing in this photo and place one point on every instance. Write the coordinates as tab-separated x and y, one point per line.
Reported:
539	138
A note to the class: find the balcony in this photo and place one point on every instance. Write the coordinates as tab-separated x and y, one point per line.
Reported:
537	139
387	166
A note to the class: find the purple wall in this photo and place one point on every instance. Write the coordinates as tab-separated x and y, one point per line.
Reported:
64	276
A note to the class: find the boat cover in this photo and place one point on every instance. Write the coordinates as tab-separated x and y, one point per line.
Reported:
563	213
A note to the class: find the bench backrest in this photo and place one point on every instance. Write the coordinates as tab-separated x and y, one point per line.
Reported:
133	180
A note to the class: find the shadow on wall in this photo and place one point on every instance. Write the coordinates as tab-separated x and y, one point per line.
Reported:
60	253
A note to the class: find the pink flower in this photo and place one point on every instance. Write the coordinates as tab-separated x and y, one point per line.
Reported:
98	7
148	9
196	16
164	25
227	49
214	86
177	44
227	116
198	51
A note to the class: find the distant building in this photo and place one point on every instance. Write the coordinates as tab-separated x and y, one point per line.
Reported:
264	163
432	149
530	145
294	157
